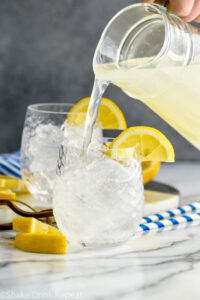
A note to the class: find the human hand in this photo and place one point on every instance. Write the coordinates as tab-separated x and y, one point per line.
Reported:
188	10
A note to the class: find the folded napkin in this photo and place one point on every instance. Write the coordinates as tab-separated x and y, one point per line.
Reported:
10	164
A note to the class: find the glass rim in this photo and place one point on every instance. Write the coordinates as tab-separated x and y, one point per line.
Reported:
36	108
112	138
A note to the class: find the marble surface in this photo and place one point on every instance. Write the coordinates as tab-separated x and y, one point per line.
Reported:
163	265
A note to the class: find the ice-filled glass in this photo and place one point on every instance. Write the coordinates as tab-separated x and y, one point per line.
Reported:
98	199
42	135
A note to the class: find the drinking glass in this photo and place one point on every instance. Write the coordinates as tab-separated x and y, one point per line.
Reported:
98	199
42	135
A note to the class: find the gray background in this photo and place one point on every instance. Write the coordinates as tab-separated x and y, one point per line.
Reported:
46	51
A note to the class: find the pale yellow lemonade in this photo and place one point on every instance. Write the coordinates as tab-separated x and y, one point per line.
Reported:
172	92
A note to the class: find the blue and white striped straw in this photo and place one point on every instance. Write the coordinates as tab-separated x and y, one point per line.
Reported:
171	218
169	223
186	209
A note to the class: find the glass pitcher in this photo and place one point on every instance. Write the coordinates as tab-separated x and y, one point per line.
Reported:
154	56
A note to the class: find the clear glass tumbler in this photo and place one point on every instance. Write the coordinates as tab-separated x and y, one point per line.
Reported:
42	135
98	200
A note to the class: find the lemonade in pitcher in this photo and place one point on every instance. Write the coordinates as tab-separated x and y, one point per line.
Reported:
174	98
152	56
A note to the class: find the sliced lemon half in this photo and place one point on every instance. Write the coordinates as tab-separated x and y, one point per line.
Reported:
149	170
110	115
153	144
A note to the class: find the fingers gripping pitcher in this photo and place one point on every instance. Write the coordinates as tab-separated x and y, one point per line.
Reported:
154	56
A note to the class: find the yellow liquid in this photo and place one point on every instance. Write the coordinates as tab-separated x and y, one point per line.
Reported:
172	92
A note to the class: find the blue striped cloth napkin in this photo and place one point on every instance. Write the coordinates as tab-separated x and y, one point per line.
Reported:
10	164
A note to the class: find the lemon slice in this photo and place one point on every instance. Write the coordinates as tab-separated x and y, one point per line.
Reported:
110	115
41	243
153	145
12	183
149	170
6	194
32	225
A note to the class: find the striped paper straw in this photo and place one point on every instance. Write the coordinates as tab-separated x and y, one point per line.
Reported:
186	209
170	222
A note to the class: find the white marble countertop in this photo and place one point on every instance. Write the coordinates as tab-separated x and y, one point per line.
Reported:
162	265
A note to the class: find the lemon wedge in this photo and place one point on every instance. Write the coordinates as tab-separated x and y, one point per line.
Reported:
12	183
153	145
7	194
41	243
32	225
38	237
110	115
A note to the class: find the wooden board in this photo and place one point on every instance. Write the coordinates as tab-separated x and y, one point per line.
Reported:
160	197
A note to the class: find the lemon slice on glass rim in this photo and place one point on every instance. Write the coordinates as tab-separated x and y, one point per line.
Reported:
110	115
151	145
